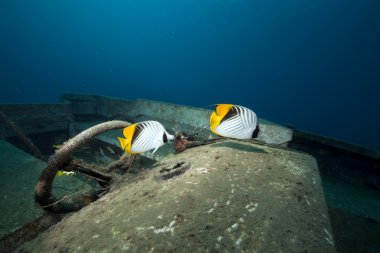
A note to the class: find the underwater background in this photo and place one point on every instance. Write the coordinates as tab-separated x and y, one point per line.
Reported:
311	64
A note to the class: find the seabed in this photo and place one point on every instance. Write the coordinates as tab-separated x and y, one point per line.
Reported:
299	192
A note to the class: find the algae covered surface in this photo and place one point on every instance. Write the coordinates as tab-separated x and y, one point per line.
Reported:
19	174
233	197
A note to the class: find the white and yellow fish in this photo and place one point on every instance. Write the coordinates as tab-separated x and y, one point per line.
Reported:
233	121
144	136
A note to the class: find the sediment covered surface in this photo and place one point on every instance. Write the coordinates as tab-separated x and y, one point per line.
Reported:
19	174
226	197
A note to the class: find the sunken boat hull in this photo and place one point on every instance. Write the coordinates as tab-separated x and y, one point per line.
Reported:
230	196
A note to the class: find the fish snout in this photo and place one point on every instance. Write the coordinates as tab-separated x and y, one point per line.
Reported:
169	136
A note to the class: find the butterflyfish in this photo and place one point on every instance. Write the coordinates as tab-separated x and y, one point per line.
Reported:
234	121
144	136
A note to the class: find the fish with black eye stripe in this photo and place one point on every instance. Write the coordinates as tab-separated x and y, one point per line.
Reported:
234	121
144	136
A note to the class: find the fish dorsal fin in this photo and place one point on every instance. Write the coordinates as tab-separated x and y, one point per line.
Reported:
223	109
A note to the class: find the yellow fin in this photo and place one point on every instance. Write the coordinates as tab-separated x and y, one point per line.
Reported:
223	109
129	131
123	143
128	134
214	121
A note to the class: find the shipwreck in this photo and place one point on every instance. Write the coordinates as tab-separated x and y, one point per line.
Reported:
285	191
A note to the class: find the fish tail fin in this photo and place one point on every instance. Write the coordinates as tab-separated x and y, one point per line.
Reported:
123	143
214	121
213	118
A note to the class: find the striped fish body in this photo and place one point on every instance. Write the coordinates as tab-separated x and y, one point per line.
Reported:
233	121
144	136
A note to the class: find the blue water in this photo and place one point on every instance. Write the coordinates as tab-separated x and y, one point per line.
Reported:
312	64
